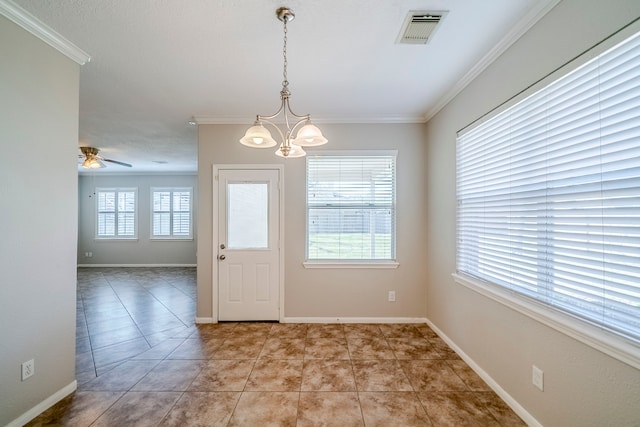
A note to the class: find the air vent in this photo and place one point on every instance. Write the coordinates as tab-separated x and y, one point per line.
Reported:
419	26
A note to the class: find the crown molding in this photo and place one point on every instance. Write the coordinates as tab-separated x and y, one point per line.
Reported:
222	120
523	25
33	25
528	21
371	119
235	120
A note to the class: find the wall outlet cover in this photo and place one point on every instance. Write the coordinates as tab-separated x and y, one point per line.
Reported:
537	378
28	369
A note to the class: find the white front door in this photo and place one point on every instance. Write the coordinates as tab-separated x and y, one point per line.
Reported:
248	244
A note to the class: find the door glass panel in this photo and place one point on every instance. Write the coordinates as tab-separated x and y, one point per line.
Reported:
248	215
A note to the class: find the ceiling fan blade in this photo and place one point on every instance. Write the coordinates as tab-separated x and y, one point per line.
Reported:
117	162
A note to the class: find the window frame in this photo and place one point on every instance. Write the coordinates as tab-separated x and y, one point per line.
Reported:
171	190
116	212
595	336
354	263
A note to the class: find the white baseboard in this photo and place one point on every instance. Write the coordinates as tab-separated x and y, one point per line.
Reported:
513	404
335	320
44	405
354	320
136	265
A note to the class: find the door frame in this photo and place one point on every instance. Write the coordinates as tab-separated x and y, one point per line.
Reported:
216	238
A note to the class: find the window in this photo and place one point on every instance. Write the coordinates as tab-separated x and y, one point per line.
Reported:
248	215
548	196
171	213
117	216
351	207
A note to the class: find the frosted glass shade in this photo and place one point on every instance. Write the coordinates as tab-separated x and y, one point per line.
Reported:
92	163
258	137
294	151
310	136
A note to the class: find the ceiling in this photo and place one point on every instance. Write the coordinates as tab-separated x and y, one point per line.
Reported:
155	65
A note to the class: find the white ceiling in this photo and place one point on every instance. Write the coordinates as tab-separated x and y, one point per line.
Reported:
156	64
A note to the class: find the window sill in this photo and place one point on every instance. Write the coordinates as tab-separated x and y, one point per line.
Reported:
116	239
613	345
350	264
171	239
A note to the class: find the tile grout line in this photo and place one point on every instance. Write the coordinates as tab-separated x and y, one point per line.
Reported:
129	313
124	393
86	323
244	388
392	333
163	304
304	351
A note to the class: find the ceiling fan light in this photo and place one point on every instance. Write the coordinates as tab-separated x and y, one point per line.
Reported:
258	136
310	136
92	163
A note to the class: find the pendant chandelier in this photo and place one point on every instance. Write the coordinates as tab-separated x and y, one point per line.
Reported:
258	136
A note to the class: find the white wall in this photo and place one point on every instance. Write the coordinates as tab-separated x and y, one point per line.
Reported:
38	196
328	293
143	250
583	387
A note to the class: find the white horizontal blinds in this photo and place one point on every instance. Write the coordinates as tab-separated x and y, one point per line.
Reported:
182	213
351	207
106	224
161	213
126	213
116	213
171	212
549	194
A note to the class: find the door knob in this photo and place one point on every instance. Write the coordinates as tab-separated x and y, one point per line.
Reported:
222	246
222	257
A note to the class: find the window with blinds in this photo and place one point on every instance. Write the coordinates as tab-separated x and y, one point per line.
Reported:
351	207
171	213
116	213
548	194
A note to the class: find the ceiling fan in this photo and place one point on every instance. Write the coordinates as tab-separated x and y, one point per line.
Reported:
93	161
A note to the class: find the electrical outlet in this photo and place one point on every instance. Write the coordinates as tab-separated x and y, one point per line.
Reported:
392	296
28	369
90	254
537	377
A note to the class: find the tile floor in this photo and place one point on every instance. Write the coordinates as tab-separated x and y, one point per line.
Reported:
141	361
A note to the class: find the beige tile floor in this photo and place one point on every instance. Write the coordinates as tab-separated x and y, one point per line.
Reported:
142	362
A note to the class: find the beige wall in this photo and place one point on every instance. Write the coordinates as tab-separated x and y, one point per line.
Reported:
38	197
143	250
335	293
583	387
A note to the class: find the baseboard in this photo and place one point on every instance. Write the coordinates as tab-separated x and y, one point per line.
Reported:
335	320
354	320
136	265
44	405
513	404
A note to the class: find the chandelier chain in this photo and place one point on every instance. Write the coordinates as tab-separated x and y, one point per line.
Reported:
308	135
285	82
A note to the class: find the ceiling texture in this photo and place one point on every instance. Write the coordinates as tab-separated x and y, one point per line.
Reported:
156	65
